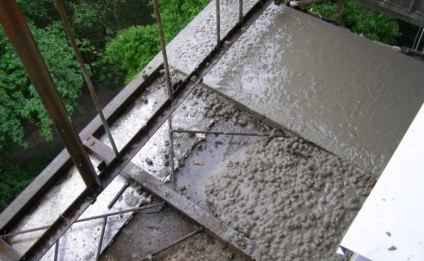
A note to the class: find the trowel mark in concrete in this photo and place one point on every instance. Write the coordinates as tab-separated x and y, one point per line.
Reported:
289	196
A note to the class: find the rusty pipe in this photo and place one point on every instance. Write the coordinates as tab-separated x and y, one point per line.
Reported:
163	47
87	78
20	37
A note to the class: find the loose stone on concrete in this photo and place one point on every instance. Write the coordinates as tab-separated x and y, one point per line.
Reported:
292	198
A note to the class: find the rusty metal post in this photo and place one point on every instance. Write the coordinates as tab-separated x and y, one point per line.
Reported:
411	4
87	78
163	47
218	23
20	37
339	11
240	11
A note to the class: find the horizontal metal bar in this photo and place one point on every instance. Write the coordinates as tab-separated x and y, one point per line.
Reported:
86	219
252	134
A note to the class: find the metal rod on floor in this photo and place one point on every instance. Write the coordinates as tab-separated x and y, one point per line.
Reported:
218	23
102	233
240	11
229	133
86	219
56	251
21	39
176	242
171	151
163	47
87	78
113	201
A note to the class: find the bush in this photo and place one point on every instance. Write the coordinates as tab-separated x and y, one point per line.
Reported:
361	20
134	47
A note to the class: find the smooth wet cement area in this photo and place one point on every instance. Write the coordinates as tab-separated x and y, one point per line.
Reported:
352	96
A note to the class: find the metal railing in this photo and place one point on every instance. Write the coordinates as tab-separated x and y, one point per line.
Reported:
20	37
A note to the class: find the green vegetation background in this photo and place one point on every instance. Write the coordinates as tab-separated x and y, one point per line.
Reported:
117	39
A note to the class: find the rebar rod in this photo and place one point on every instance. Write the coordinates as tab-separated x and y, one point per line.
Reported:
87	78
218	23
102	233
113	201
416	37
86	219
171	151
22	41
176	242
339	11
163	47
229	133
240	11
56	251
419	40
411	5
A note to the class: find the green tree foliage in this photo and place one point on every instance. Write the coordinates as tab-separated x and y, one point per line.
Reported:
14	178
19	102
373	25
134	47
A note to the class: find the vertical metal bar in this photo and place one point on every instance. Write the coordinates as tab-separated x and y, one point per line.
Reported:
102	233
416	37
163	47
411	5
56	250
87	78
339	11
21	39
240	11
419	40
218	24
171	151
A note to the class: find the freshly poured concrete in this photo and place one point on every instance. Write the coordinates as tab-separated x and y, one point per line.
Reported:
198	39
354	97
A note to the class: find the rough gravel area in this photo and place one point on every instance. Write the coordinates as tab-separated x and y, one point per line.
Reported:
289	196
